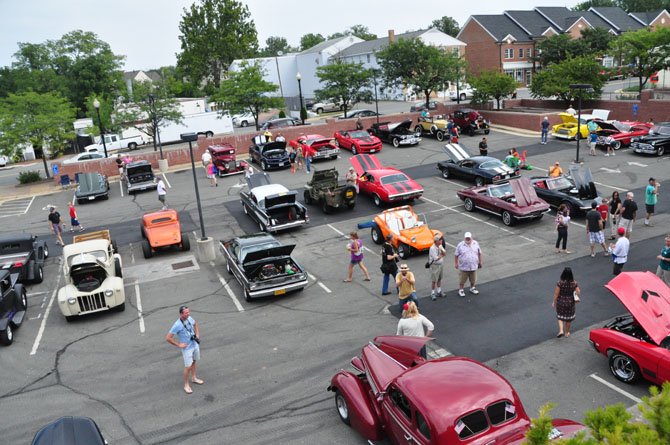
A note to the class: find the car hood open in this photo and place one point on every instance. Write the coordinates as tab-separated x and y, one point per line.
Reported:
406	124
270	252
647	298
404	349
455	152
365	162
524	192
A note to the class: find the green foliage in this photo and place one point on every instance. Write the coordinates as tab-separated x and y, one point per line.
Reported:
176	84
309	40
360	31
213	34
595	41
282	114
656	409
541	426
273	45
348	83
584	6
556	49
642	5
303	114
26	177
246	90
556	79
648	50
447	25
493	84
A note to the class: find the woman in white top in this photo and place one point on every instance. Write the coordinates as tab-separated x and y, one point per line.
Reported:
413	324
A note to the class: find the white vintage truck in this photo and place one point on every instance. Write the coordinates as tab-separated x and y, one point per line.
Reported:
93	276
127	140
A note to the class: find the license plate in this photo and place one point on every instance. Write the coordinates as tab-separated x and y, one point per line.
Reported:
143	188
280	291
281	164
91	198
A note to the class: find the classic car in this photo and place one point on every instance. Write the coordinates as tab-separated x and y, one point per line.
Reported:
433	125
470	121
394	393
478	169
272	206
464	92
225	160
637	344
244	119
281	123
162	230
319	147
621	132
358	141
568	128
410	231
577	191
139	176
263	266
23	254
657	142
397	133
513	201
355	114
421	105
4	160
268	154
327	192
70	431
322	107
83	157
13	304
383	184
91	186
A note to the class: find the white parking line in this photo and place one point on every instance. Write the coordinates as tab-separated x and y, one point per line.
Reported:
121	188
29	204
166	180
139	305
336	230
311	277
40	332
132	254
323	286
231	294
616	388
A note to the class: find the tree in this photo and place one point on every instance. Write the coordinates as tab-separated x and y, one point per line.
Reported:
493	84
584	6
410	62
556	49
309	40
348	83
642	5
360	31
556	79
595	41
648	50
273	45
213	34
246	90
41	120
447	25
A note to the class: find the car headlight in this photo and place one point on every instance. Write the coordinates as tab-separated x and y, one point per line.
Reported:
109	292
253	286
302	276
71	300
413	239
653	143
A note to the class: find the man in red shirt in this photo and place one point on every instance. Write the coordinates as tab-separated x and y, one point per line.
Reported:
74	222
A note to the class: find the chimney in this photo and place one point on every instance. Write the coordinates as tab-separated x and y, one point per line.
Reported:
391	36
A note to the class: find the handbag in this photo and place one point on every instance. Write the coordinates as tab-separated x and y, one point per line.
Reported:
427	265
575	295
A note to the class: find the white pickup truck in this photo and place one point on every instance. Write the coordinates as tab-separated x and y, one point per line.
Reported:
115	142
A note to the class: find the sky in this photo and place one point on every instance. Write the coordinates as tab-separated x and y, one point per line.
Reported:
146	32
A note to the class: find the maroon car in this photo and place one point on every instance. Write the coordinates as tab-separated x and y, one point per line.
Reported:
396	394
470	121
513	201
358	141
225	160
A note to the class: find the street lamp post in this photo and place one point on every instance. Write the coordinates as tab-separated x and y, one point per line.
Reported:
299	78
96	104
580	87
281	89
154	121
190	138
374	74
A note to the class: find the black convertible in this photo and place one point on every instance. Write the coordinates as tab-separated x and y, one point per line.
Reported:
576	191
92	186
397	133
268	154
23	254
478	169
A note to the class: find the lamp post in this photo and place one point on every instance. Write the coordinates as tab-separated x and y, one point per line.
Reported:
374	77
580	87
154	121
96	104
298	77
281	89
190	138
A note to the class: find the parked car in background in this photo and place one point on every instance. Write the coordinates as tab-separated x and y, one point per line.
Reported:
317	146
478	169
657	142
23	254
91	186
4	160
410	232
421	105
115	142
568	128
324	107
161	230
13	305
358	141
576	191
355	114
269	155
383	184
470	122
139	176
395	133
464	92
281	123
225	160
83	157
70	431
244	119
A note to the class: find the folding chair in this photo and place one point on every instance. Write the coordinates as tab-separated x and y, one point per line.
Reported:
65	181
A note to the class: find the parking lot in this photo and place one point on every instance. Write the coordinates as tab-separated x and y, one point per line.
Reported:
267	363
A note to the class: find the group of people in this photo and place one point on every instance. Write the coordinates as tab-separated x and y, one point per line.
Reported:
298	159
56	225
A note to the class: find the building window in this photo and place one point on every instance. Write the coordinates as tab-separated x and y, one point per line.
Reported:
509	53
519	75
520	53
509	73
529	52
455	50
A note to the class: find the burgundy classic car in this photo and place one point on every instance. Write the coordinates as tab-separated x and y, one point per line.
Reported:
513	201
225	160
358	141
622	132
397	394
469	121
319	147
384	184
638	344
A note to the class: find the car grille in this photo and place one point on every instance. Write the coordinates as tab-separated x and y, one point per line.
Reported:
92	302
641	146
563	131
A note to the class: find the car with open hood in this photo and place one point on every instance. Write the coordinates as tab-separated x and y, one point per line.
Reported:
317	146
139	176
395	133
470	121
91	186
657	142
70	430
410	232
161	230
357	141
478	169
268	154
263	266
622	132
567	129
13	305
513	201
225	160
395	393
435	126
576	191
383	184
272	206
637	344
23	254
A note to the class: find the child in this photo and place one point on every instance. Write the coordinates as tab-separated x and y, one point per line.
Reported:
603	208
74	222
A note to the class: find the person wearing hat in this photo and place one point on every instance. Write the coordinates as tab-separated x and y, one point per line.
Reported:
389	263
185	334
650	200
406	286
555	170
436	255
467	259
620	251
55	224
413	324
351	177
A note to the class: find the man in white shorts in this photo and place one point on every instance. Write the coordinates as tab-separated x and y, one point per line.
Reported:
185	334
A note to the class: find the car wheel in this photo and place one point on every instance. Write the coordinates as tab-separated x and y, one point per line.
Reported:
507	218
80	202
439	134
471	131
228	269
624	368
209	134
7	336
377	236
117	268
70	318
120	308
244	123
354	150
469	205
396	142
616	145
264	166
39	275
445	173
132	146
185	242
142	232
46	251
377	200
23	297
319	110
463	96
306	197
403	251
479	181
146	249
660	151
115	248
342	408
418	129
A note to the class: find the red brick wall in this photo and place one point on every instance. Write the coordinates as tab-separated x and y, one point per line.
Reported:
482	52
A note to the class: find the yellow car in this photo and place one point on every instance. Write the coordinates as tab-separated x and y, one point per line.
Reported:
432	125
410	232
568	129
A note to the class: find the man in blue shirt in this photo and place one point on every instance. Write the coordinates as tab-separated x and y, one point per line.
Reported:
545	130
185	334
593	141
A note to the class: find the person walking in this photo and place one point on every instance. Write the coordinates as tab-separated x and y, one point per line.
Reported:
628	214
609	145
545	131
436	255
162	192
663	269
483	147
566	297
355	248
185	334
562	220
614	213
412	323
594	229
650	200
359	123
454	134
55	224
406	284
389	264
308	161
119	165
206	159
211	174
593	140
467	259
555	170
620	251
603	209
74	222
291	157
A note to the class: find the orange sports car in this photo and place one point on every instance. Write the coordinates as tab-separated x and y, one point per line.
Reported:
410	231
162	229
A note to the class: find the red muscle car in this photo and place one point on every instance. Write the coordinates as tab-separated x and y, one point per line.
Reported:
638	345
358	141
621	131
320	147
384	184
513	201
397	394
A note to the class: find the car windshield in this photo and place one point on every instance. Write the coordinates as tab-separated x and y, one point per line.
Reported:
492	164
657	129
98	254
558	183
390	179
358	134
498	191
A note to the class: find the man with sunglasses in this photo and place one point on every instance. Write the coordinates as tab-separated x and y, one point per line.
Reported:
185	334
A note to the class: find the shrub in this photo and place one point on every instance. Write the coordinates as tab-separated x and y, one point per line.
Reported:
282	114
303	113
29	176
